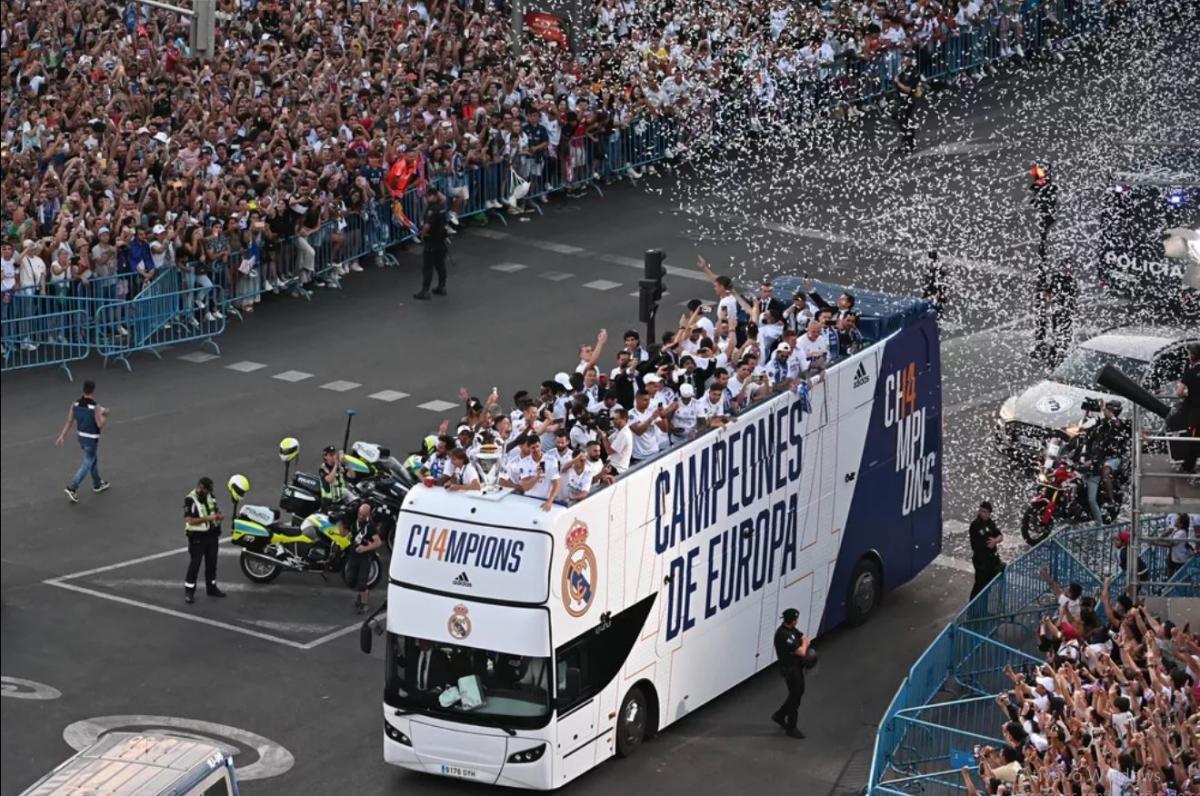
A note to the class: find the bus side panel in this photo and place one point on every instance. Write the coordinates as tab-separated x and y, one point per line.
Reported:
897	487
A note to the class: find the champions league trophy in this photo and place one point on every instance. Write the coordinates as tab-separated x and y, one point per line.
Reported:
488	458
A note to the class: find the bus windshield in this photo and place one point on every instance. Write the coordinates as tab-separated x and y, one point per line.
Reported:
467	683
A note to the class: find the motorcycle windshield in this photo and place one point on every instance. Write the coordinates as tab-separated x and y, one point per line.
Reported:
467	684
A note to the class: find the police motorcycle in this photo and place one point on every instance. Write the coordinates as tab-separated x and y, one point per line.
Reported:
271	546
1060	494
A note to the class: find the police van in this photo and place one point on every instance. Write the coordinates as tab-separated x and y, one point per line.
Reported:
524	647
1139	207
132	764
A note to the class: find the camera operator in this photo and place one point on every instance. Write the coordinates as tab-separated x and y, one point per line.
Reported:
1103	449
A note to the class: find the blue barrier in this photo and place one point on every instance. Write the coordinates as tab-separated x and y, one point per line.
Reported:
946	703
49	338
155	319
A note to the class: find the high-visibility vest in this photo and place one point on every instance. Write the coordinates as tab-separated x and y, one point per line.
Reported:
207	507
332	493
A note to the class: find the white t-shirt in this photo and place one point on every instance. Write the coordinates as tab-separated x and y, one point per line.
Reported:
728	305
581	482
811	352
547	470
1071	605
466	475
9	268
686	415
622	449
706	408
581	436
645	444
33	270
1118	783
520	468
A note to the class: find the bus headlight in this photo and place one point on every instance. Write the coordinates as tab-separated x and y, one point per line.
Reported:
394	734
528	755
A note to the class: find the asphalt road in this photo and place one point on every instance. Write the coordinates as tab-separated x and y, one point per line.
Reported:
112	636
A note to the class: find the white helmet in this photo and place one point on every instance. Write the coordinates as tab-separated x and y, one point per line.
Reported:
239	486
289	449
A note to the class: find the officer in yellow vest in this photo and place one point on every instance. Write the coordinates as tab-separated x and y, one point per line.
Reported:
333	476
202	522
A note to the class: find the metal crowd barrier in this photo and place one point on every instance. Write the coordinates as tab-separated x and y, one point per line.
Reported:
49	338
946	704
155	319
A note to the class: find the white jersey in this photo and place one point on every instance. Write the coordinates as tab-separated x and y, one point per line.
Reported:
547	470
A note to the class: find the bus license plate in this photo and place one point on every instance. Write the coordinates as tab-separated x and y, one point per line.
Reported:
459	771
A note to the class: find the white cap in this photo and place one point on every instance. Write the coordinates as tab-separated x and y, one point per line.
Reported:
158	229
145	130
1046	683
104	230
162	137
687	390
652	378
784	347
464	429
562	378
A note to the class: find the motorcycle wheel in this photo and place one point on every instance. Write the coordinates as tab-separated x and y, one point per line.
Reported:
1033	531
257	570
374	574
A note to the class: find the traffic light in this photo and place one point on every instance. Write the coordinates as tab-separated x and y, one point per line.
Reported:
650	290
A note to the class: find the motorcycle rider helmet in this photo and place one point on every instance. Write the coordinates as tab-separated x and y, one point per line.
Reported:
1115	407
289	449
429	444
239	486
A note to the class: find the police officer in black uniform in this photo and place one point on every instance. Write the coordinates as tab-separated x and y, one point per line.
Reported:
202	522
791	647
908	84
1043	195
433	239
986	539
1188	389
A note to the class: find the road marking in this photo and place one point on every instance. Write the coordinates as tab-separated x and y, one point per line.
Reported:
341	386
235	587
621	259
950	562
388	395
198	357
549	245
437	405
494	234
292	375
556	276
19	688
292	627
119	565
602	284
509	268
246	366
633	262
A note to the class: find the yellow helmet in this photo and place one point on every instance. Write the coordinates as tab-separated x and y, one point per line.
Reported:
289	449
239	486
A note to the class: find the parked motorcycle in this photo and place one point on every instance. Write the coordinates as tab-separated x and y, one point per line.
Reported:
1061	491
271	546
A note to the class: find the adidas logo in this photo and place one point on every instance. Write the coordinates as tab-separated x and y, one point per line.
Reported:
861	376
462	580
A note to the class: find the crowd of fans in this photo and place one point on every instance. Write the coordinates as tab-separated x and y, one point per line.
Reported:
587	426
123	152
1115	708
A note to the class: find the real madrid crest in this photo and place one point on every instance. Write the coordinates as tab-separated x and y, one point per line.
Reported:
459	623
579	572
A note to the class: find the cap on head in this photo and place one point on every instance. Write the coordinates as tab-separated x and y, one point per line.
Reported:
791	615
985	506
206	483
329	450
687	391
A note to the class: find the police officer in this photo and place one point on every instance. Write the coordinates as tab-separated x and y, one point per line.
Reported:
1188	389
935	282
791	647
333	477
202	522
908	84
1043	195
433	239
986	539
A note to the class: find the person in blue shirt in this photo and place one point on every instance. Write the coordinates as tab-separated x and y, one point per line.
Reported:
140	260
89	419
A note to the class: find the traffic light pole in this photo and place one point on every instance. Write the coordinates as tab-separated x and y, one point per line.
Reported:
650	292
203	15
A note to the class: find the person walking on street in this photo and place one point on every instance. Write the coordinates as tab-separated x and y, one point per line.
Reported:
791	647
364	541
202	523
986	539
433	239
89	419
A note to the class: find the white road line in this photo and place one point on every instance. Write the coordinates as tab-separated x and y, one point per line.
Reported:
203	620
602	284
620	259
549	245
292	375
177	583
388	395
953	563
341	386
494	234
437	405
345	631
508	268
246	366
633	262
198	357
556	276
290	627
120	564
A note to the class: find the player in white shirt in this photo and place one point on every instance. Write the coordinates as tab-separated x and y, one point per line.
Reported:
589	355
543	483
582	472
519	465
646	422
561	453
618	444
466	476
686	414
710	410
812	350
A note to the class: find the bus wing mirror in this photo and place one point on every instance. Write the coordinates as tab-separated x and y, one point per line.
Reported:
365	638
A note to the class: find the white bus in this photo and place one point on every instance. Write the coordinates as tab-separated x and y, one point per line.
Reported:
523	647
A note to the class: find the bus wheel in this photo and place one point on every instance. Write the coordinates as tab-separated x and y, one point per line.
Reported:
631	723
865	586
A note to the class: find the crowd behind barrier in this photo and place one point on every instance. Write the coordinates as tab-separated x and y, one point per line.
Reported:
945	716
613	142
